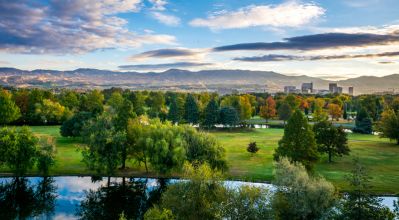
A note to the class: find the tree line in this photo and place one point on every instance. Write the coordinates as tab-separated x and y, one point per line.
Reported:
45	107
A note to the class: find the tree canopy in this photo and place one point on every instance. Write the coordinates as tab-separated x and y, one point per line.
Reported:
298	142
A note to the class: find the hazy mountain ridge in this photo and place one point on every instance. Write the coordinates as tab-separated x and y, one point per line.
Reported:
87	78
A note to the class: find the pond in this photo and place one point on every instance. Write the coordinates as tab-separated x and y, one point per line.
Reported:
101	198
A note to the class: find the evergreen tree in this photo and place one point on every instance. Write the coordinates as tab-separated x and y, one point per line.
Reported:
284	112
9	111
298	142
229	116
211	114
363	122
330	139
173	114
345	115
191	110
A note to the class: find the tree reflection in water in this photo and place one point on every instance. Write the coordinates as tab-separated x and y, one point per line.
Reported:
20	200
132	197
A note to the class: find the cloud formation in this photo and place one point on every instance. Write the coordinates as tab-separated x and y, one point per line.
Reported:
289	14
74	26
167	53
318	41
166	19
278	57
158	5
163	66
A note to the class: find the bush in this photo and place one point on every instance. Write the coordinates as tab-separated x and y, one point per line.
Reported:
252	148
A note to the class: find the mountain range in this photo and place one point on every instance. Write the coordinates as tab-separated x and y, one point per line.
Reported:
177	79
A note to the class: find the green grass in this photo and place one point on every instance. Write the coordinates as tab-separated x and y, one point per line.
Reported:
380	156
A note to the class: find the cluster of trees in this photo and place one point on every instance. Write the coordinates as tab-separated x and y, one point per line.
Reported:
304	144
38	106
20	151
297	195
118	135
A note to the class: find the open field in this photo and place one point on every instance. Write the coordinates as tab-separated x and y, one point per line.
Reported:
380	156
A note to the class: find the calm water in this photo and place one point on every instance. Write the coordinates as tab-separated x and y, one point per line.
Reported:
95	198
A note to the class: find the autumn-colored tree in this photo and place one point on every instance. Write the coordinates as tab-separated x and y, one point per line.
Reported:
318	112
304	106
335	111
268	110
246	107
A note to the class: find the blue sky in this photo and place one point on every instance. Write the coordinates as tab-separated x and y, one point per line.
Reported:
326	38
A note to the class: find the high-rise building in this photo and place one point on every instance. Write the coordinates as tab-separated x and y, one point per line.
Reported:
289	89
333	87
307	87
350	90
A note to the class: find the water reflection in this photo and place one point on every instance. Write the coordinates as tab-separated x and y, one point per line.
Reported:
20	200
88	197
132	197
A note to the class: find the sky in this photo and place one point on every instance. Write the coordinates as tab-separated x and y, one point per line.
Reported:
331	39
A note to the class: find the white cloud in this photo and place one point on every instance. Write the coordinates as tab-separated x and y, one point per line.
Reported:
290	14
158	5
166	19
70	27
385	29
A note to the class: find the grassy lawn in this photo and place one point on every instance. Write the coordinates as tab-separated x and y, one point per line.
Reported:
380	156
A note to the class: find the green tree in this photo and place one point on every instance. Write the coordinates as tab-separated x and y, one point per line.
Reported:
45	156
115	100
74	125
156	102
211	114
292	101
93	102
104	144
247	202
359	204
330	139
203	148
298	142
388	126
204	192
363	123
51	112
18	148
229	116
156	213
123	114
9	111
69	99
284	112
165	146
137	133
191	110
174	114
138	101
300	196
